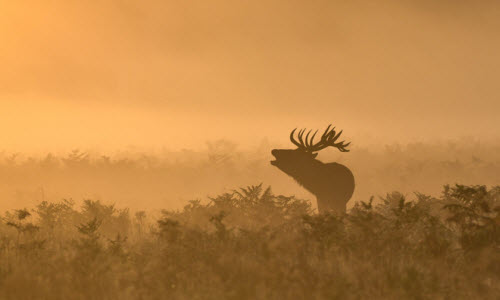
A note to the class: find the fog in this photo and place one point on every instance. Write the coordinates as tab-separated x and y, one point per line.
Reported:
165	80
156	74
136	139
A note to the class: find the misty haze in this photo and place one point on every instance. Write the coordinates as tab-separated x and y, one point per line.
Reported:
249	150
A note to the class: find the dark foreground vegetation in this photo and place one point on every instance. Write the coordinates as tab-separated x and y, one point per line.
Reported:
252	244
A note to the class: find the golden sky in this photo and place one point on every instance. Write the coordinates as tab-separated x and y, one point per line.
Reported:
114	73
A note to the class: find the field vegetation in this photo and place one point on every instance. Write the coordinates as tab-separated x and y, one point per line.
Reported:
137	225
168	179
250	243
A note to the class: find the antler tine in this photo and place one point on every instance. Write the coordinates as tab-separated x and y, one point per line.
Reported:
308	144
329	137
301	140
292	139
312	139
325	139
345	145
335	137
341	146
326	131
332	133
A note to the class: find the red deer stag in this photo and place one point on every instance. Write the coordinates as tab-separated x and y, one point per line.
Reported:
331	183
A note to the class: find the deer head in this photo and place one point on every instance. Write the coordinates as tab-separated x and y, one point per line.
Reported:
306	147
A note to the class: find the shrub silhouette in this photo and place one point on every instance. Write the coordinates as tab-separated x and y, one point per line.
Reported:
253	244
475	211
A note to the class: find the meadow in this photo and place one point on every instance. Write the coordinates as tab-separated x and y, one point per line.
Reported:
253	244
423	224
167	179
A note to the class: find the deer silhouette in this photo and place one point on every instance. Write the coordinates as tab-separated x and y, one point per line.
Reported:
331	183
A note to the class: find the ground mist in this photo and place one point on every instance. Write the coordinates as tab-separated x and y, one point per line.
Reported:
168	179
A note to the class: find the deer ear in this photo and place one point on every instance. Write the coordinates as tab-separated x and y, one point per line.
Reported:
314	155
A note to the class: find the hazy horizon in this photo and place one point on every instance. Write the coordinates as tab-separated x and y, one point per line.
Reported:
166	74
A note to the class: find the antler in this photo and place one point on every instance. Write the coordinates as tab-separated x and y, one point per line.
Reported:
328	138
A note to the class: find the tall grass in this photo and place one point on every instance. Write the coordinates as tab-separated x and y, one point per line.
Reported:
253	244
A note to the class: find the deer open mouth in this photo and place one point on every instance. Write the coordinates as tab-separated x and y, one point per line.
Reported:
273	162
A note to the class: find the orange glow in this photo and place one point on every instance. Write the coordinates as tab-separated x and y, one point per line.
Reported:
121	73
